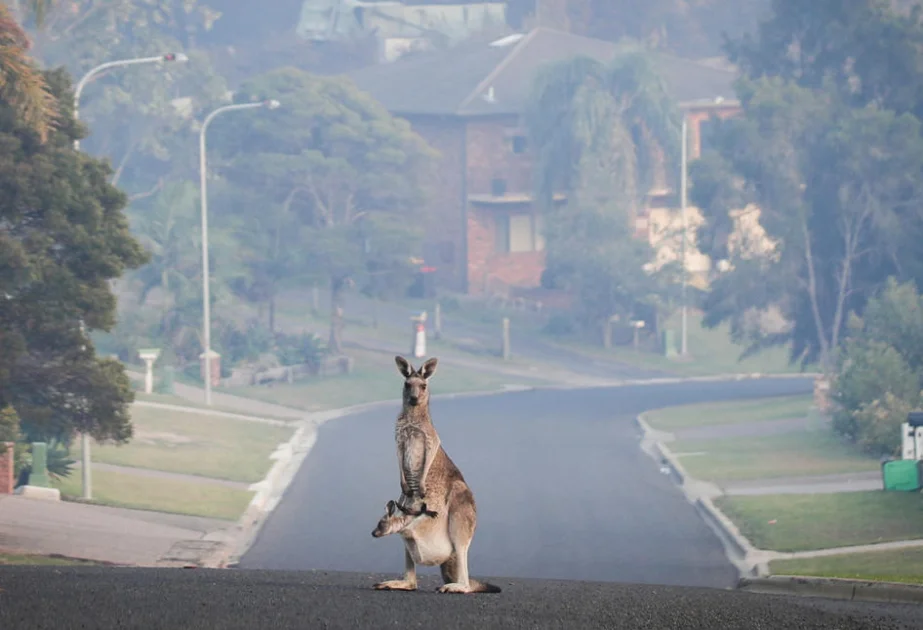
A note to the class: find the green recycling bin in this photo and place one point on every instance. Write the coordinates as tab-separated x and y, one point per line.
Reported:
902	475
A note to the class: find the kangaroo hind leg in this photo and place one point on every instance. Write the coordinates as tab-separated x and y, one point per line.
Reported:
462	522
409	583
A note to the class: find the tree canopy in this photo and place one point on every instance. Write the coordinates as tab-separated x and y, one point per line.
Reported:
831	162
63	237
339	180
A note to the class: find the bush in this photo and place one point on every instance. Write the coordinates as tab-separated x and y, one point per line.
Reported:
560	326
877	381
306	348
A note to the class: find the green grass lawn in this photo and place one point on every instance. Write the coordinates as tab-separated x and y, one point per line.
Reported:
10	559
172	399
900	565
794	454
709	414
161	495
374	378
824	521
196	444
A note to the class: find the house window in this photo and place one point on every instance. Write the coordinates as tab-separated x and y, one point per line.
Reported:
519	144
514	233
498	187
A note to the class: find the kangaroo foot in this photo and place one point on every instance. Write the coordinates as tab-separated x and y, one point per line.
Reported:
396	585
454	587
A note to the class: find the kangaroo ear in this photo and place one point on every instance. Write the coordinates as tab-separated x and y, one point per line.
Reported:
403	366
389	508
429	368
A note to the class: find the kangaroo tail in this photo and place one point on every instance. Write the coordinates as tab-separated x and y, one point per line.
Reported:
483	587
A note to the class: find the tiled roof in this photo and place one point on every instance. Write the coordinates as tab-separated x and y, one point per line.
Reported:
477	78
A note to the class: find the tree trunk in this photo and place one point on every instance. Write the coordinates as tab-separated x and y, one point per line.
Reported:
335	341
272	312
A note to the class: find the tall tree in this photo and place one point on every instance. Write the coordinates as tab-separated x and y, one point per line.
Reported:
63	237
343	176
832	182
869	50
601	134
21	83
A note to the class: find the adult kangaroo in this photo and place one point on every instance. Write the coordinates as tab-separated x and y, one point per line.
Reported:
440	515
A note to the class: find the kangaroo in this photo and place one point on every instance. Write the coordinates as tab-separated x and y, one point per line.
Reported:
390	524
440	515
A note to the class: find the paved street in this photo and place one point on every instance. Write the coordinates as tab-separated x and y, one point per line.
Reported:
563	489
33	598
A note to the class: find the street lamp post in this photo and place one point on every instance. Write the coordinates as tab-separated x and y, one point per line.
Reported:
206	297
118	63
168	57
682	205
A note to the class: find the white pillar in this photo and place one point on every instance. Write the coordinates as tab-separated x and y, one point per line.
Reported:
149	376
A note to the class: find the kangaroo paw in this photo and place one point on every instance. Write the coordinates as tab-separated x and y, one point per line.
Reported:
454	587
396	585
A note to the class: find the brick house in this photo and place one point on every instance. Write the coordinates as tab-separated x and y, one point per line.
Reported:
467	102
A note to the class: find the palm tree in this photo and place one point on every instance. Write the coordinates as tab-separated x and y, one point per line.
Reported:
601	132
621	111
21	82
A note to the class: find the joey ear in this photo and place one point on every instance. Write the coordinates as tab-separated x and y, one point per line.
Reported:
389	508
403	366
429	368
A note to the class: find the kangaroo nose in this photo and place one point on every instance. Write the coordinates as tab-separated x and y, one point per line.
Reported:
414	400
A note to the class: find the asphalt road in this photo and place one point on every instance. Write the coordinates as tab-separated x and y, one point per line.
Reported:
562	487
46	598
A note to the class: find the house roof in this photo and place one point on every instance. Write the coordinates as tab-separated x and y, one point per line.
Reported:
479	78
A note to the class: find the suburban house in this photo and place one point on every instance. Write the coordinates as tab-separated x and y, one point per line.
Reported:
467	101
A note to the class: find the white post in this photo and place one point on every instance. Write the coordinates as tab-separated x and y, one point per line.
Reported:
149	376
506	339
682	203
206	297
149	355
85	466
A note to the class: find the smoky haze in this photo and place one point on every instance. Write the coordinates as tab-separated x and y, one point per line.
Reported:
667	251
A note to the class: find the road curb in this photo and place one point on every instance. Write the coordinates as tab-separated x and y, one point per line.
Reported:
834	588
737	548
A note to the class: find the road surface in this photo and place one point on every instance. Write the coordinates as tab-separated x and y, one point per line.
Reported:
562	487
46	598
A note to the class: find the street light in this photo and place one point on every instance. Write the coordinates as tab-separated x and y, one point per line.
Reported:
682	205
168	57
206	298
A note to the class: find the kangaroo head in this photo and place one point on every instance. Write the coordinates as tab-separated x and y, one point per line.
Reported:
415	381
388	523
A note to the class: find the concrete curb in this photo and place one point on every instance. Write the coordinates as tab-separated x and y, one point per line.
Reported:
834	588
741	553
290	455
751	562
